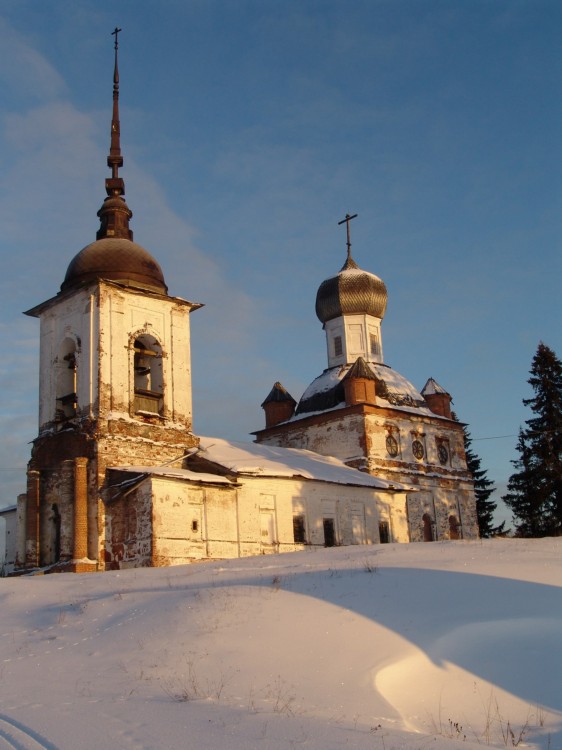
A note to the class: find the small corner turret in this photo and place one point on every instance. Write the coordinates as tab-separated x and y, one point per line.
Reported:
279	405
437	398
359	384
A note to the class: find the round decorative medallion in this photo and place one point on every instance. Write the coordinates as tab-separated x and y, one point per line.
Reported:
417	449
443	454
391	445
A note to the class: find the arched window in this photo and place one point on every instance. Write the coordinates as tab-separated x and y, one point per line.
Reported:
148	377
454	528
427	528
66	375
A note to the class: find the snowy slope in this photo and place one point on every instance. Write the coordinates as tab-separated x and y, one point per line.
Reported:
389	647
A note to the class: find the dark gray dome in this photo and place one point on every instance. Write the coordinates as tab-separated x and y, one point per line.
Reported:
351	291
392	389
115	259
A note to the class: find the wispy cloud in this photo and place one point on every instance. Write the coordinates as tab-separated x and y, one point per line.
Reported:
24	70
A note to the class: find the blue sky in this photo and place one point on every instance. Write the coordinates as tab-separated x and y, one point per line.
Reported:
249	129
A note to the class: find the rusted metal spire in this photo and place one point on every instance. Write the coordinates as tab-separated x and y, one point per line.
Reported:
114	215
115	160
349	263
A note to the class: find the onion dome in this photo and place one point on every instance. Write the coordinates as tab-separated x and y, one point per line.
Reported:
114	256
352	291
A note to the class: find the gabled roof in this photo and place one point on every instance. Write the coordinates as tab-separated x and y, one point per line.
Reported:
258	460
223	462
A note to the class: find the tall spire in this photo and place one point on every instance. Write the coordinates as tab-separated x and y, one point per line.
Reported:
115	160
114	215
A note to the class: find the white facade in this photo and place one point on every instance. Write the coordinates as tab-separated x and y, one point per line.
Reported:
89	343
8	539
260	501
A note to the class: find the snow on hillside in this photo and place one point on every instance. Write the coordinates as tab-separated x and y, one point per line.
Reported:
393	647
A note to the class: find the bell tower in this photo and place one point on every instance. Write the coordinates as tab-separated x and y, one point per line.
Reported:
114	381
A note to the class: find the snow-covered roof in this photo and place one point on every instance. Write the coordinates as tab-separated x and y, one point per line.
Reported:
252	459
431	387
174	473
392	389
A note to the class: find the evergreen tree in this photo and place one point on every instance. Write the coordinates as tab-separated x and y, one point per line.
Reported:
483	488
535	489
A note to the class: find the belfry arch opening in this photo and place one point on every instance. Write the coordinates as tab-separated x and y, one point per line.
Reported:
148	376
66	377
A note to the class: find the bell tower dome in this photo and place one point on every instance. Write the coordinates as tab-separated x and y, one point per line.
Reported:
114	256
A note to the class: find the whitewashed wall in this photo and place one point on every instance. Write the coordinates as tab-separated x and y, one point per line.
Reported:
168	521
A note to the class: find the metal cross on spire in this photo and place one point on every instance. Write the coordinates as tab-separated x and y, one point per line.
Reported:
346	221
114	33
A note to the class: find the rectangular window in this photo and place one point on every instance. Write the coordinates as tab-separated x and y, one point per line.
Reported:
374	344
384	532
299	529
338	347
356	339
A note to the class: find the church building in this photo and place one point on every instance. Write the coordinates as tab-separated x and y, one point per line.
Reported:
368	415
118	479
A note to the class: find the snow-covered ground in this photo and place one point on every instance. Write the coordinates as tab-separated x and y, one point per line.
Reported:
381	648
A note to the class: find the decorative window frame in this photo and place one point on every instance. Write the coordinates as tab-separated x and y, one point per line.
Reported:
392	434
443	449
418	438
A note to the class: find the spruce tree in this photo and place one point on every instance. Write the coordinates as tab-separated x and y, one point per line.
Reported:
535	489
483	488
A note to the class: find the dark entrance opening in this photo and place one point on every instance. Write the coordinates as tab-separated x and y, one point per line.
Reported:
329	532
384	532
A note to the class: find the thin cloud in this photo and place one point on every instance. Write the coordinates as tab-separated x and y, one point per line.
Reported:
24	68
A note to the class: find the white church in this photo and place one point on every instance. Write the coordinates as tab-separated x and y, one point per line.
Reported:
118	479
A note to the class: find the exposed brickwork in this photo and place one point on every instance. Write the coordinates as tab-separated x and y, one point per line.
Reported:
32	520
439	403
359	391
278	411
80	508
